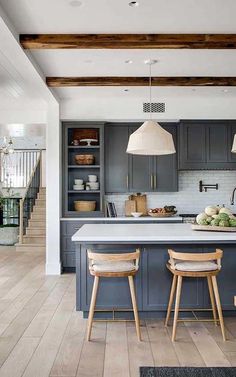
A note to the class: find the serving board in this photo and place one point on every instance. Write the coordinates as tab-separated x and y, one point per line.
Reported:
141	202
211	228
130	206
169	214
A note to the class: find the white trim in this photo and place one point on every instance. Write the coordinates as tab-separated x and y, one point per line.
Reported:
53	269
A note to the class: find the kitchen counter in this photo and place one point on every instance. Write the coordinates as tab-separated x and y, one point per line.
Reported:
126	219
148	233
153	280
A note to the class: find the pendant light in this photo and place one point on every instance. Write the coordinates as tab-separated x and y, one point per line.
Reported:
233	150
150	139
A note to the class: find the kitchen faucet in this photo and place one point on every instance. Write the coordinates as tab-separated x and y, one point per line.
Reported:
232	197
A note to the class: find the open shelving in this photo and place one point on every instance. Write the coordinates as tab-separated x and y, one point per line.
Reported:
72	171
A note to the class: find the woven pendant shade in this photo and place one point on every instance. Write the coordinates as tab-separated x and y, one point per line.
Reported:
150	139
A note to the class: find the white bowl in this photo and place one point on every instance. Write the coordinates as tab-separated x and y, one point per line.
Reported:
79	182
92	178
136	214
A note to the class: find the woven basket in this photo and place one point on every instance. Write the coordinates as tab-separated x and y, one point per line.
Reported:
84	159
85	205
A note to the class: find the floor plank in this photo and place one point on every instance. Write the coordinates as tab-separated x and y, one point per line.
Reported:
208	348
91	362
140	353
186	350
67	360
162	348
116	353
19	358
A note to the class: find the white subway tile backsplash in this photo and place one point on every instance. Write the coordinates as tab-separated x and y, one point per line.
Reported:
188	199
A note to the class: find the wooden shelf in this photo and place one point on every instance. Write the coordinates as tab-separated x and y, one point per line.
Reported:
83	191
83	166
83	146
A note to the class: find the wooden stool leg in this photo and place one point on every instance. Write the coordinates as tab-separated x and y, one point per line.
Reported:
134	303
92	306
211	293
177	301
172	293
218	304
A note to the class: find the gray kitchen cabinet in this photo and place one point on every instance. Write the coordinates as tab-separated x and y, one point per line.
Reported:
116	158
165	174
232	132
192	145
156	279
125	173
206	145
68	255
140	176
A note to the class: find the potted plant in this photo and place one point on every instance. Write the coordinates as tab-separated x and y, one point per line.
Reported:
8	232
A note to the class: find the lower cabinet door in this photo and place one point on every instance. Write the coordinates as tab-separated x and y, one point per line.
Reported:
112	292
157	279
69	259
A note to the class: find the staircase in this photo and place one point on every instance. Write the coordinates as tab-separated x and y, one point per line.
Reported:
35	237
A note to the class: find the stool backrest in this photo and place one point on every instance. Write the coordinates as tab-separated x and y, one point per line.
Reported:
197	257
108	257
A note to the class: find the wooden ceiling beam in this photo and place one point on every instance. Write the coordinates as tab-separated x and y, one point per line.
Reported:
140	81
128	41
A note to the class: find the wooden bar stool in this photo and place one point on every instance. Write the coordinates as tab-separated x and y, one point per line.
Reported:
113	265
192	265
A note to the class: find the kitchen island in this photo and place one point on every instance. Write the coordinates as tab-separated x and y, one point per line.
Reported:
153	279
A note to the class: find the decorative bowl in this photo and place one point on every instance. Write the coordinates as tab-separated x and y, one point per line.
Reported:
136	214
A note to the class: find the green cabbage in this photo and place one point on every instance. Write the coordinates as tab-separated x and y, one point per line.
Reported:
224	223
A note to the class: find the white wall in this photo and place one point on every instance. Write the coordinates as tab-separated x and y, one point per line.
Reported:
53	200
126	108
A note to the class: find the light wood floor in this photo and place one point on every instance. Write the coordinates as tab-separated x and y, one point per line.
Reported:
42	335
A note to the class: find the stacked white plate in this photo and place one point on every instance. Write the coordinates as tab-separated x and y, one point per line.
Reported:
78	187
93	185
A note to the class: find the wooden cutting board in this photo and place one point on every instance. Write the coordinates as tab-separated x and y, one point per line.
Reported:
141	202
130	206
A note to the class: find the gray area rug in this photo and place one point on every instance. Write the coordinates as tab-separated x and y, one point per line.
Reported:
186	372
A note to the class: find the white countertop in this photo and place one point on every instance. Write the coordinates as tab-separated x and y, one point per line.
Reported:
123	218
165	233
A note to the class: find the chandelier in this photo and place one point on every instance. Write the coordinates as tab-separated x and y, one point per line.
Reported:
7	146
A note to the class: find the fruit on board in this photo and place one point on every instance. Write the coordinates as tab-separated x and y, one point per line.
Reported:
225	210
224	223
216	216
210	210
200	217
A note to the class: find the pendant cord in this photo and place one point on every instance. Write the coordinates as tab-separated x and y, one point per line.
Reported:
150	91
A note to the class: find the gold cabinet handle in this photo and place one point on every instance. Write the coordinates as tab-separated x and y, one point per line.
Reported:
127	181
151	181
155	181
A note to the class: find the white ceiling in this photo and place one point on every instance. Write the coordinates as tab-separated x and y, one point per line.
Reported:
115	16
108	16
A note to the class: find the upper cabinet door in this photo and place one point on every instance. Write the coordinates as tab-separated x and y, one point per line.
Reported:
217	143
231	133
192	145
140	169
116	158
165	167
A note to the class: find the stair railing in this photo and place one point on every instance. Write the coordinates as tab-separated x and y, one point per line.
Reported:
28	200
